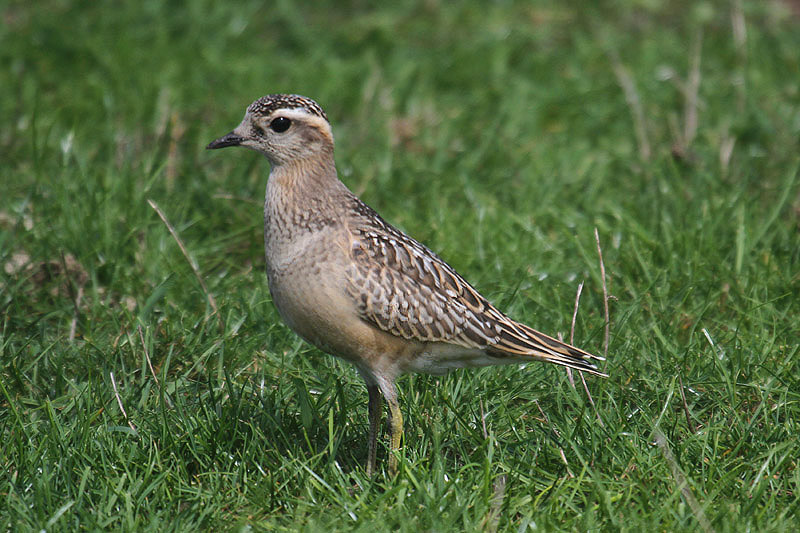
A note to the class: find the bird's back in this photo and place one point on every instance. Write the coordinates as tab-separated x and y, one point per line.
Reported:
402	287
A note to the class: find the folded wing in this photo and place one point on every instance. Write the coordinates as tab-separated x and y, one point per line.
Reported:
402	287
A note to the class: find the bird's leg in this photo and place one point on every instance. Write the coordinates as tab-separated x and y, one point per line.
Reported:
375	413
395	423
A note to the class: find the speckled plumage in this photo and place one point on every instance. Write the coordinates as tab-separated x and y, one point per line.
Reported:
404	288
267	105
355	286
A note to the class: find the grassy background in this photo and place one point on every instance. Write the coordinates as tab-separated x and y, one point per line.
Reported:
499	134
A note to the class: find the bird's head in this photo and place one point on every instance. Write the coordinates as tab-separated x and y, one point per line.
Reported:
283	127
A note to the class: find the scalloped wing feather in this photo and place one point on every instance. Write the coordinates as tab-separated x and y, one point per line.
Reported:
403	288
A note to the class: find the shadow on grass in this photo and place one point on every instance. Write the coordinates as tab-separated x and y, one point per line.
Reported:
251	430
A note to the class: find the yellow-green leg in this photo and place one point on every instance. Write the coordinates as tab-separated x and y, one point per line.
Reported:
375	412
375	386
395	421
396	427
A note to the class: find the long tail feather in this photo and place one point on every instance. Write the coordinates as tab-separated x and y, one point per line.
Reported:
519	340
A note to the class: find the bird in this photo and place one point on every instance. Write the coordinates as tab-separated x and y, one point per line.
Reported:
356	287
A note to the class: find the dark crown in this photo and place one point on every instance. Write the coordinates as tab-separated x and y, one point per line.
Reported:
267	104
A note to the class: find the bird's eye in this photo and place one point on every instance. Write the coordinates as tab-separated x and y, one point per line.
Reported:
280	124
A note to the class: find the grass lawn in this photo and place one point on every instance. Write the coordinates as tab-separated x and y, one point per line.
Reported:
141	390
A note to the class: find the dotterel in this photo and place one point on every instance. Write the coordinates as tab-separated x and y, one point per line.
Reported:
356	287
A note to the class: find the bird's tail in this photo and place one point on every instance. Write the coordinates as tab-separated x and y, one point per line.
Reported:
520	341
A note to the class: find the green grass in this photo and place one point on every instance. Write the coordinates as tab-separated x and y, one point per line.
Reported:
500	135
